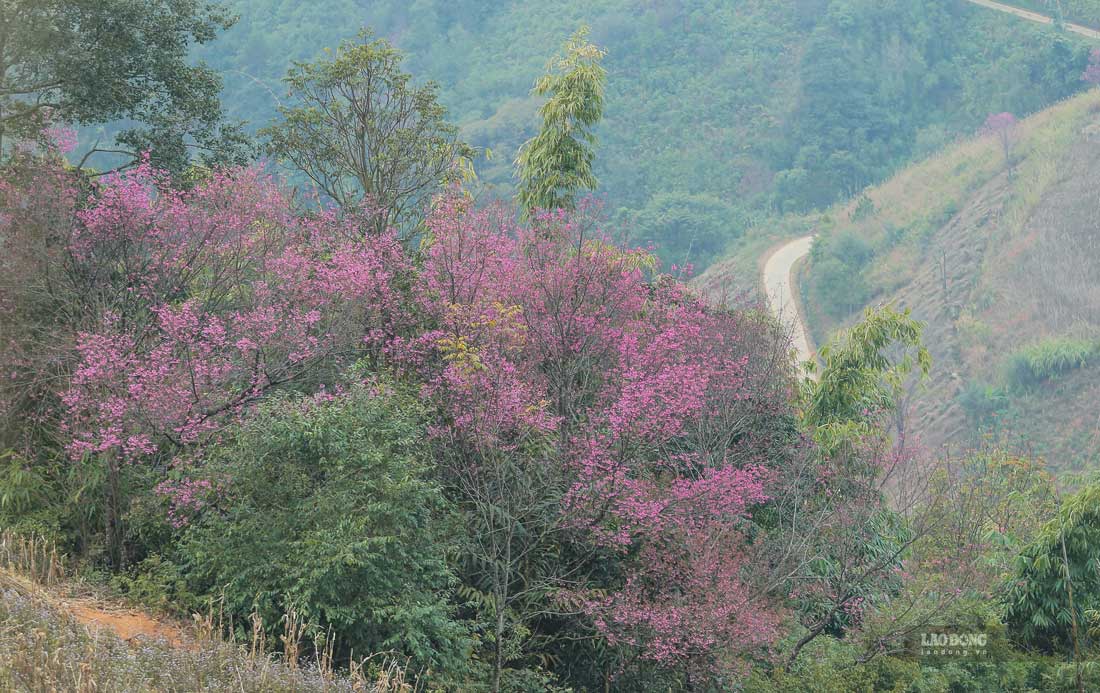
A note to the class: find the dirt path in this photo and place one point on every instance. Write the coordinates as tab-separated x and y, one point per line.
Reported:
782	294
1035	17
130	625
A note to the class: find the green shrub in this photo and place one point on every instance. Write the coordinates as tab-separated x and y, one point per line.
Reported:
1037	603
26	499
158	584
326	508
837	282
1043	360
981	401
687	228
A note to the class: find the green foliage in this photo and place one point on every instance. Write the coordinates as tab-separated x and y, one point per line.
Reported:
860	378
59	500
982	401
990	501
1064	557
94	61
160	585
326	508
363	133
837	281
687	229
556	164
1046	359
730	100
24	493
835	665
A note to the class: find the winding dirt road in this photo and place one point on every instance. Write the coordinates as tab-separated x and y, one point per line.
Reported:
1035	17
782	292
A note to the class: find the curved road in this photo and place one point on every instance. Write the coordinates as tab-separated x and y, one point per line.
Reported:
782	294
778	276
1035	17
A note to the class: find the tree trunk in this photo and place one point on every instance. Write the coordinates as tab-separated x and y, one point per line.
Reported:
498	658
115	555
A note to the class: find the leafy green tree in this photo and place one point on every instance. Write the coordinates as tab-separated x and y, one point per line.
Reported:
688	228
364	134
858	539
1057	585
95	61
838	283
326	507
860	377
556	163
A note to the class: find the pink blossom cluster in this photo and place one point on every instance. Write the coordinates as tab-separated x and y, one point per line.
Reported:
212	297
204	300
1092	70
185	498
552	329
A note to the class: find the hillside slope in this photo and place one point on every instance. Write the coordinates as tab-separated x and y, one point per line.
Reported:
1000	259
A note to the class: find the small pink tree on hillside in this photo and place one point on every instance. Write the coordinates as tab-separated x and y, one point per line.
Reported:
1092	70
1003	127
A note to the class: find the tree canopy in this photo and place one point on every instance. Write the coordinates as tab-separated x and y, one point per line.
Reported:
363	133
95	61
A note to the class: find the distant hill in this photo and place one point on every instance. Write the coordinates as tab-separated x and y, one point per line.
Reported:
718	113
1001	259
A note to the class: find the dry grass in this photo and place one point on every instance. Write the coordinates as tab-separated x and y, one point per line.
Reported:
46	645
923	197
910	208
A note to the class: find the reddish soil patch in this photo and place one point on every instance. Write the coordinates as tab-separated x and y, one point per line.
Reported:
127	624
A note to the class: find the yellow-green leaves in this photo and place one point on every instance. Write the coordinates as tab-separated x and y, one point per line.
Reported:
555	164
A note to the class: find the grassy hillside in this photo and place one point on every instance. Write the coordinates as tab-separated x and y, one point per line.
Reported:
999	258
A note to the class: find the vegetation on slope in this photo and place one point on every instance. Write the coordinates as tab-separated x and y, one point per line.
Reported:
505	448
996	255
50	641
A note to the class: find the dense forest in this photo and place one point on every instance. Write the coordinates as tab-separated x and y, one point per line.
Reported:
290	360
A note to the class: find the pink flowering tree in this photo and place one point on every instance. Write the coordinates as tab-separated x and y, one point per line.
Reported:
1092	70
213	297
183	308
222	293
1003	127
584	397
626	458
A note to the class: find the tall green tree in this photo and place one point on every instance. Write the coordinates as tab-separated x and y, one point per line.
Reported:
556	163
863	373
364	133
1056	594
95	61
